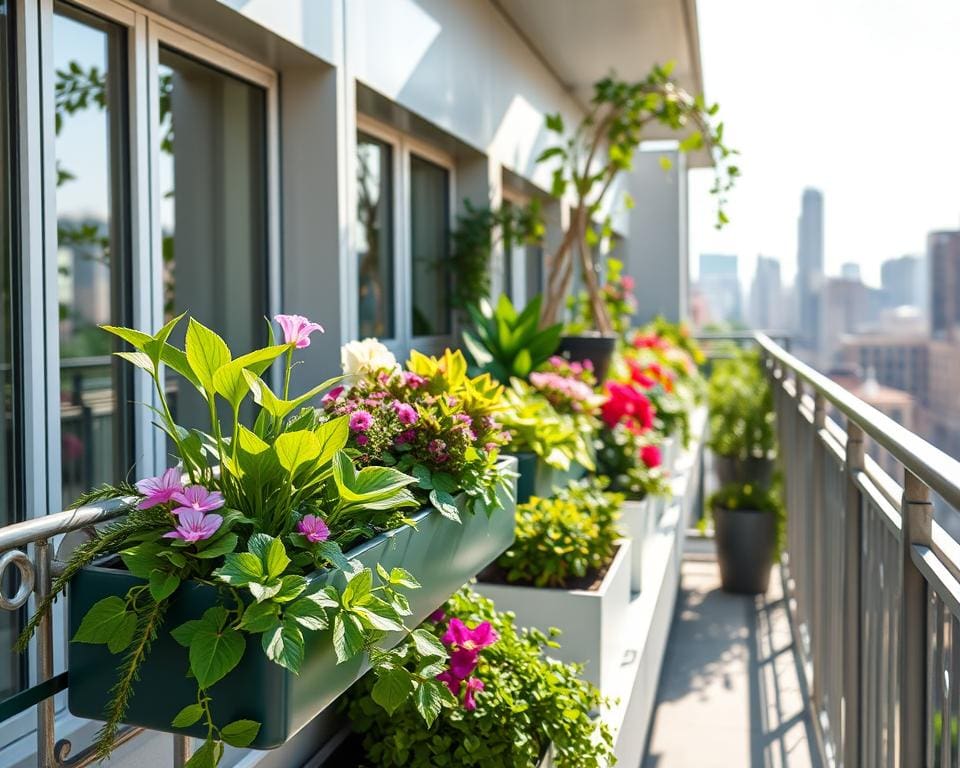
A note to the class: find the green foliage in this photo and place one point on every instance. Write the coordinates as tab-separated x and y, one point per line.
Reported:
570	536
740	402
619	457
528	703
477	232
617	295
506	343
746	497
534	424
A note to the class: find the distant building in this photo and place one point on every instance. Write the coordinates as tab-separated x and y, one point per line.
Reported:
904	281
719	285
897	361
850	270
810	266
766	296
847	306
943	259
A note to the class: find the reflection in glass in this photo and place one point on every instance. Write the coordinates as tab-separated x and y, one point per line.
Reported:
375	237
91	247
213	211
429	230
12	671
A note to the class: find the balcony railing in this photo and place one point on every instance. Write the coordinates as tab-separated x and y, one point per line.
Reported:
874	580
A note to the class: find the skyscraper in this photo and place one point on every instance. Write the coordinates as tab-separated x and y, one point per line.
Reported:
943	260
810	265
766	295
720	287
903	280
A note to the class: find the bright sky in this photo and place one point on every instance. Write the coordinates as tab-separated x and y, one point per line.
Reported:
855	97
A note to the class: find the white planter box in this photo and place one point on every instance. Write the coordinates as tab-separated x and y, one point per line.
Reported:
639	519
668	451
592	621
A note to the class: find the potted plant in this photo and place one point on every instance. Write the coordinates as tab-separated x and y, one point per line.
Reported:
507	703
249	585
742	435
746	522
588	161
569	568
633	462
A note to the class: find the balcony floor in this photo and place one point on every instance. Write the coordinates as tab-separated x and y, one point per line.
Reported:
730	692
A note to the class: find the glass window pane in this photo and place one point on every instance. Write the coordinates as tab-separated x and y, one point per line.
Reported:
375	237
92	246
533	257
429	230
213	211
11	667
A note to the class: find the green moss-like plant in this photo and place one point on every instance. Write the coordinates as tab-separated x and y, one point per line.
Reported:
741	408
527	704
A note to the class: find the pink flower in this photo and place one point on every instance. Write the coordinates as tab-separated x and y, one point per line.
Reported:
650	454
193	525
406	413
407	436
463	661
362	440
332	395
360	421
474	685
437	616
297	329
451	681
412	380
313	529
196	498
159	490
459	635
627	283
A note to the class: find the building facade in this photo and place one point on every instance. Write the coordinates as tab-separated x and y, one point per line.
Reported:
810	267
943	259
766	295
904	281
240	158
719	285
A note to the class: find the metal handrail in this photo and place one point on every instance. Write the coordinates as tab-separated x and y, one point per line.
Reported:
26	532
936	469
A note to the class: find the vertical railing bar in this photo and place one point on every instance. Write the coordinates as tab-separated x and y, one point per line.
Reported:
944	680
884	623
871	654
45	709
182	750
917	513
819	587
954	688
892	608
931	665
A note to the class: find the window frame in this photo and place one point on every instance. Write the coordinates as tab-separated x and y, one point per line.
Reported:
517	260
403	146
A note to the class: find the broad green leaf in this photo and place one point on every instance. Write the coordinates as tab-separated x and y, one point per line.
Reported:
331	551
376	614
523	363
136	339
105	618
283	645
240	569
240	733
428	700
214	653
139	359
142	559
358	587
444	481
188	716
444	502
229	380
154	347
260	359
307	613
555	123
348	639
392	688
207	756
370	483
206	353
291	588
222	546
184	633
275	559
332	436
400	577
265	591
259	617
294	449
163	584
427	644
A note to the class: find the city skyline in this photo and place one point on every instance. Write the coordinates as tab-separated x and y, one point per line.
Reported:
764	84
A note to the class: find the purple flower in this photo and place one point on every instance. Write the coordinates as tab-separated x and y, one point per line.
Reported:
313	529
406	413
463	661
451	681
159	490
437	616
362	439
297	329
464	418
474	685
360	421
437	447
196	498
412	380
193	525
407	436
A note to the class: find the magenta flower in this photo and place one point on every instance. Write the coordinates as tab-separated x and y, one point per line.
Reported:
437	616
297	329
407	436
474	685
313	529
196	498
360	421
406	413
412	380
362	440
159	490
332	395
460	635
463	661
193	525
451	681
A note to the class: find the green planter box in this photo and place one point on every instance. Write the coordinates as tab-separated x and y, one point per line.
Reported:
442	555
539	479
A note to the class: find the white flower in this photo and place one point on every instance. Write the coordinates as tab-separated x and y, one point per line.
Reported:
362	358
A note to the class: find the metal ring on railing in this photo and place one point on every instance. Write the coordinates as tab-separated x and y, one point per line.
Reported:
22	563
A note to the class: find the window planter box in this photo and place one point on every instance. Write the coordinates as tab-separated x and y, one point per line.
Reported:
639	519
441	554
592	621
540	479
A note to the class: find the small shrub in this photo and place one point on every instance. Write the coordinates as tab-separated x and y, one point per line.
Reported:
741	408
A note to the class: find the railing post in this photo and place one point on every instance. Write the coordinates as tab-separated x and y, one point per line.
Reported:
917	522
852	615
45	709
816	599
182	750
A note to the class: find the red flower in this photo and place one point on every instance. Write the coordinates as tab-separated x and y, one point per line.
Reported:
625	403
650	454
